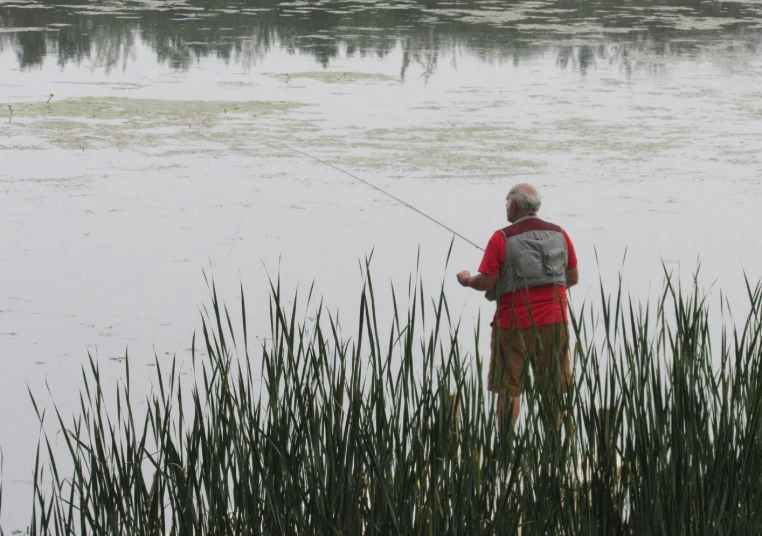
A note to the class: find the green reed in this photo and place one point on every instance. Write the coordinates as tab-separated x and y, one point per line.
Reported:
392	432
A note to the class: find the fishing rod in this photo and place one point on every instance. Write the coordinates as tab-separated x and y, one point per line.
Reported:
367	183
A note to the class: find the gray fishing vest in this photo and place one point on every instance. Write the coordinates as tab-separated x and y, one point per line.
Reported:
536	254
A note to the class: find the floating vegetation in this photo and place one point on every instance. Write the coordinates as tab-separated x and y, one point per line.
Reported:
335	77
142	123
391	431
115	108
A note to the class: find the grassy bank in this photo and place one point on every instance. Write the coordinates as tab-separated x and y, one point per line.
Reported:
393	433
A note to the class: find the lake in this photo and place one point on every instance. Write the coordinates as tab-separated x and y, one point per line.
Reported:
144	143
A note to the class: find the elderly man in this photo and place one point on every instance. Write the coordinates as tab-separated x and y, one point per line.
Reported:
527	266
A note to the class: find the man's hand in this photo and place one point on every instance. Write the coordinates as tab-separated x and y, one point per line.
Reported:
478	281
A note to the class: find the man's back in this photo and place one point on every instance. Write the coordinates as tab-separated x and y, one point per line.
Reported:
530	258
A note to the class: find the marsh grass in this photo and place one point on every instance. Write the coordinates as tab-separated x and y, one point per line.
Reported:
393	433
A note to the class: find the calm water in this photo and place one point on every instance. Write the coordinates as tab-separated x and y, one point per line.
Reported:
161	154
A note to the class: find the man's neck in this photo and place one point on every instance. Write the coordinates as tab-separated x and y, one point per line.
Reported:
525	216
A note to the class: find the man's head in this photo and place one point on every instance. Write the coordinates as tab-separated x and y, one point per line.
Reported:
522	200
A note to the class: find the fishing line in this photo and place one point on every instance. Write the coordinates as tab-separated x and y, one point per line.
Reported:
397	199
345	172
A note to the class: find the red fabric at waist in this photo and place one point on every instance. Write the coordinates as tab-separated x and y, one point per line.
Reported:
535	306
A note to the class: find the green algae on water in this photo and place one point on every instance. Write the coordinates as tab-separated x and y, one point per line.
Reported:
85	123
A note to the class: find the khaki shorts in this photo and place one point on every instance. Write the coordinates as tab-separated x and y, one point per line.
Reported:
545	349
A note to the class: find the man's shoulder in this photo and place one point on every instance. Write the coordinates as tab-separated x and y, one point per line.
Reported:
497	239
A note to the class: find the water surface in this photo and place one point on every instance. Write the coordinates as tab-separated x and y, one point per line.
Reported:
162	154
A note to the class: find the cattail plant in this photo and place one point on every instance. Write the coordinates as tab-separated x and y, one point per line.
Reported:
392	432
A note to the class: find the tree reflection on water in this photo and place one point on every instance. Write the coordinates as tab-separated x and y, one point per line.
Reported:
181	33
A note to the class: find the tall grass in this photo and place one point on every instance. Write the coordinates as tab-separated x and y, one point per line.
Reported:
393	433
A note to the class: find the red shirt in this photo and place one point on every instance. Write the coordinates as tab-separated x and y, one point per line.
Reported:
547	303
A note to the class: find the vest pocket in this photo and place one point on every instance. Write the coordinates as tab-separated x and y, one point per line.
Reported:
554	262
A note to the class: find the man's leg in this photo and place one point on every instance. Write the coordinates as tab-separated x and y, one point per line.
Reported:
506	374
553	370
503	409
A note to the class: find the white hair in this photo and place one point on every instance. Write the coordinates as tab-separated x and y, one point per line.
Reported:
525	201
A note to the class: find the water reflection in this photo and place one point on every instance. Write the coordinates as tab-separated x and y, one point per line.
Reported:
180	33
